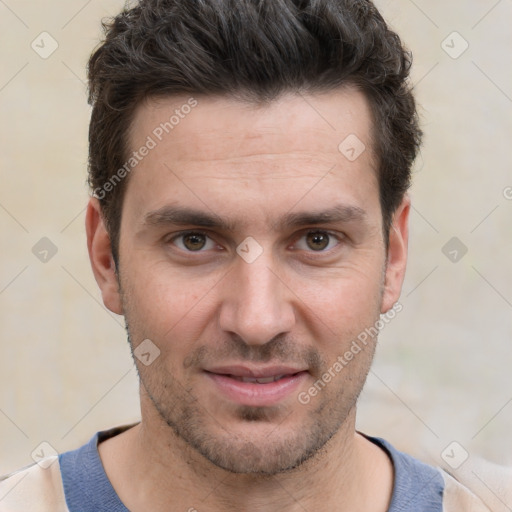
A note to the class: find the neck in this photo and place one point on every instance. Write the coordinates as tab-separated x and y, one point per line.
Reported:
348	474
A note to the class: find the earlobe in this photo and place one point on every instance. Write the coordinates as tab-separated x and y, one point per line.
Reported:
397	255
100	255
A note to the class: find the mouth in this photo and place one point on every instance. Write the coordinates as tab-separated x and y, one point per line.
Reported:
262	380
258	387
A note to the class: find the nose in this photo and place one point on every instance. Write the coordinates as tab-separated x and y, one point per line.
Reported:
257	305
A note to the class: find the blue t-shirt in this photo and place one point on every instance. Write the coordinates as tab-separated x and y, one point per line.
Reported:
417	486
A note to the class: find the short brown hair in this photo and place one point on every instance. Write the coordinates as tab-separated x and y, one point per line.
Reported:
253	50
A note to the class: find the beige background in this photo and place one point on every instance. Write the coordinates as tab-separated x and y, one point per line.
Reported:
442	371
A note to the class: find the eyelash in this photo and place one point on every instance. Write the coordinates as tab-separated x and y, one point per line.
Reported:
339	238
182	234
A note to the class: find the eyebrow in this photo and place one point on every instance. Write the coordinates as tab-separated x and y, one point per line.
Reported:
338	214
181	216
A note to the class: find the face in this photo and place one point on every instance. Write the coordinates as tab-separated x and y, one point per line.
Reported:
252	256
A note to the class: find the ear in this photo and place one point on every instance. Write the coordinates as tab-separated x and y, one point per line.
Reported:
100	254
397	255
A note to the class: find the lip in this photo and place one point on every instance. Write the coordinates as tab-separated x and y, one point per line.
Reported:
226	381
255	372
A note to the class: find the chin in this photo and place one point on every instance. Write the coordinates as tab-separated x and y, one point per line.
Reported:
254	440
257	456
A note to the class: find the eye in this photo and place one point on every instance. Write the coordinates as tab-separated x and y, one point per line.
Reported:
193	241
317	241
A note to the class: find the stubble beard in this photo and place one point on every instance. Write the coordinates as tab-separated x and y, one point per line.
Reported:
282	449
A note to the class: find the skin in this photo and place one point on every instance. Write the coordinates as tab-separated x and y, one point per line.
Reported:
301	302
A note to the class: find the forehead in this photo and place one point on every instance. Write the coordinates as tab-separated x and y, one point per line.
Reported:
224	149
290	120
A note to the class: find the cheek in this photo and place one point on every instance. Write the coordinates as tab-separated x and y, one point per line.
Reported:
344	304
166	302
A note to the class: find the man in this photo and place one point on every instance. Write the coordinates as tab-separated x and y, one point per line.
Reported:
249	163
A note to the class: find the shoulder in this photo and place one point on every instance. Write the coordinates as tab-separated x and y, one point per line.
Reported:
72	480
477	486
42	480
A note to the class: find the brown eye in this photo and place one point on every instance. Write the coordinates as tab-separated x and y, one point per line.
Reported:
194	241
317	240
